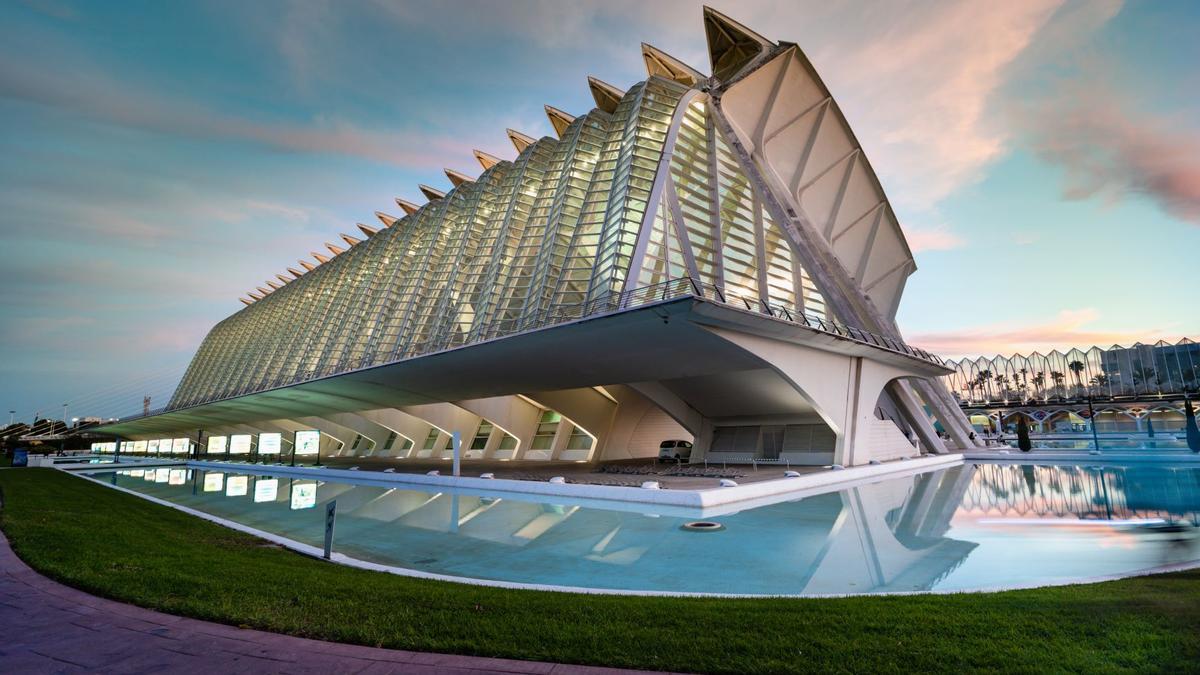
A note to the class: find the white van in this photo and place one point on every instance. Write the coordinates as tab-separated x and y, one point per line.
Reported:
675	450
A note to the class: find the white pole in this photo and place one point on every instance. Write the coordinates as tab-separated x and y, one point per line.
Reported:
456	438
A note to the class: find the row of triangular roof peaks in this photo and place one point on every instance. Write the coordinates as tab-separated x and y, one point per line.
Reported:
731	47
1182	342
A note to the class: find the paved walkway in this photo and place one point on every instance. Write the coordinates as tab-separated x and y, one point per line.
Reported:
50	628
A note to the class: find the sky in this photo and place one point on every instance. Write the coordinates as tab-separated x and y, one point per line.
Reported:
158	160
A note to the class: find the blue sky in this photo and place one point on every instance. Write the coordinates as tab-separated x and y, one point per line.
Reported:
157	160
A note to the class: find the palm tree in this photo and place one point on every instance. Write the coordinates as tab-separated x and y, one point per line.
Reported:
1058	378
1039	380
1076	368
985	376
1002	382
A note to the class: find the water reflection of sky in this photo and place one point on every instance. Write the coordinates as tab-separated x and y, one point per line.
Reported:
967	527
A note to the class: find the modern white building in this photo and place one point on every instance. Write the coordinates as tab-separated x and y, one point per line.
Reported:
699	257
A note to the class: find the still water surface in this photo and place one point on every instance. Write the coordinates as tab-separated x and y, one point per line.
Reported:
968	527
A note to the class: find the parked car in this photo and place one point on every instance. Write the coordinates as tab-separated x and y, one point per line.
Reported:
675	450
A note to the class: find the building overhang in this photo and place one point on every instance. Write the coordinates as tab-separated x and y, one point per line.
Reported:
664	341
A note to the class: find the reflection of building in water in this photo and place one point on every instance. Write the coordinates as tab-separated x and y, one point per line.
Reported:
889	536
1083	492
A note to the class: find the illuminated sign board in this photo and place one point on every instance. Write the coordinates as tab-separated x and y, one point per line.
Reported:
161	475
213	482
308	442
164	445
269	444
216	445
304	495
177	477
181	446
136	473
152	446
239	444
237	486
96	448
139	447
266	489
149	475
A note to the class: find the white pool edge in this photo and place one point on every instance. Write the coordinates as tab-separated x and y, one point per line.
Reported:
342	559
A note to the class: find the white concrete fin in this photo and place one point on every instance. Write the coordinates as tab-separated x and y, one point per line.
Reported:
559	120
368	231
386	219
307	265
607	96
350	241
519	140
408	207
336	250
663	64
485	160
731	46
457	177
430	193
295	272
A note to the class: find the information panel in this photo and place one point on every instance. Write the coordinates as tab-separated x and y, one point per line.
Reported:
152	445
308	442
161	475
237	486
266	489
164	445
216	445
213	482
239	444
269	444
139	447
177	477
181	446
304	495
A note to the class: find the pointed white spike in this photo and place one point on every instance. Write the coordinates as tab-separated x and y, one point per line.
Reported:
246	302
607	96
730	44
485	160
264	291
274	286
519	140
295	272
559	120
663	64
408	207
307	265
457	177
283	278
336	250
369	231
431	193
320	258
350	241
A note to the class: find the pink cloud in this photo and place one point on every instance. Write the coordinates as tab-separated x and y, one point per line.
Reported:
937	238
1111	150
1069	329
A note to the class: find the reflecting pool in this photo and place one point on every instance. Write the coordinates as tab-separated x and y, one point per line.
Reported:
973	526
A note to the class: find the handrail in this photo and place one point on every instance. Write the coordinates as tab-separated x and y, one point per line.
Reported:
681	287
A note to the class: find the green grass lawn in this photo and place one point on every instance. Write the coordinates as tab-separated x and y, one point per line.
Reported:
122	547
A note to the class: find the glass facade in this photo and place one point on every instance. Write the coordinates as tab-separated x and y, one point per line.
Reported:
1156	370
